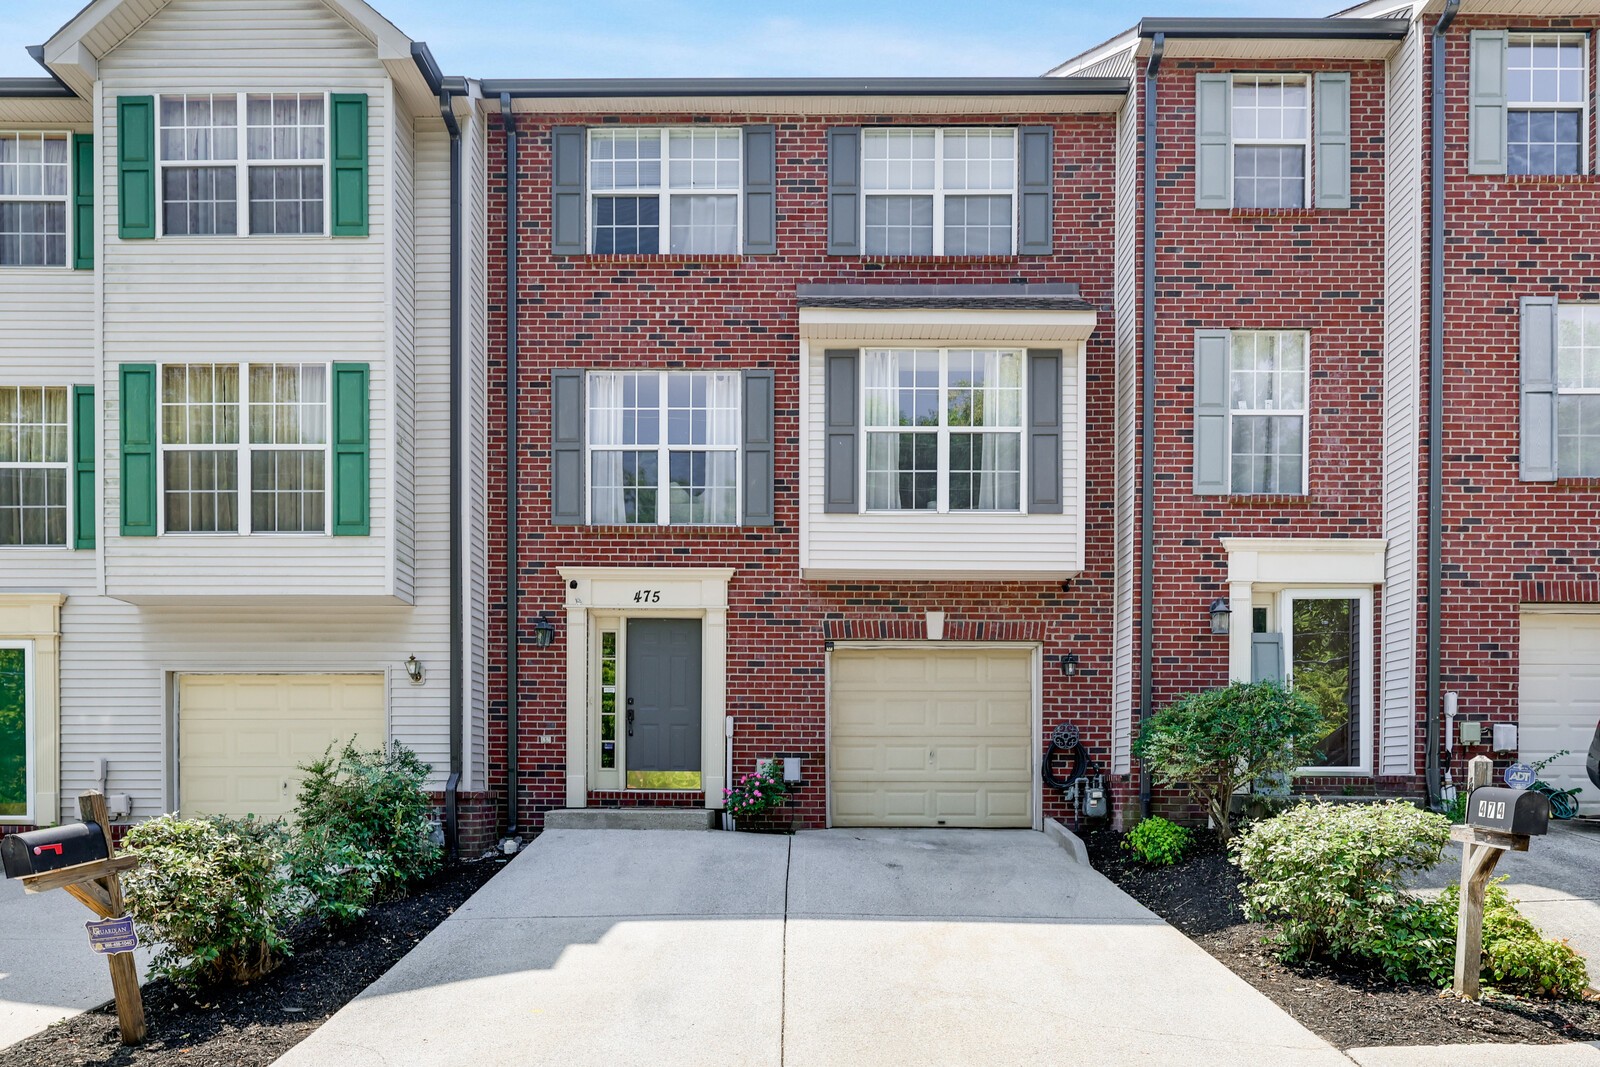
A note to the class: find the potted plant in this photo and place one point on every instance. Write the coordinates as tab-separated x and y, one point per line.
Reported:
754	800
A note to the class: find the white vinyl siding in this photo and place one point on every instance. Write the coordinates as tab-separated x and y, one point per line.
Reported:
1125	321
1402	333
874	544
255	299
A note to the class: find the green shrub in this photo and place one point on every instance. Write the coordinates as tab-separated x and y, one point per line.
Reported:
1330	875
212	894
1456	810
1158	841
1216	741
1516	957
362	829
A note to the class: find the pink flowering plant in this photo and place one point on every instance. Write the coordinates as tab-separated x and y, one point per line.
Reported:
756	792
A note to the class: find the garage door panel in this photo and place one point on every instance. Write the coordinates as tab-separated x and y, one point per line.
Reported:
1560	697
242	737
931	737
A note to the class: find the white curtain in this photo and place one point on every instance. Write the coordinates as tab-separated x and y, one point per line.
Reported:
999	484
604	418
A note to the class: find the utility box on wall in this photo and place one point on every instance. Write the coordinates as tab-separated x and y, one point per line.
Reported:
1505	737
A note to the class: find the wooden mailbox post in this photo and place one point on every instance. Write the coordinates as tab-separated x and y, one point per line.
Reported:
99	886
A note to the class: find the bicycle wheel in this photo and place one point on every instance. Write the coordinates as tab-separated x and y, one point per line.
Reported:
1563	805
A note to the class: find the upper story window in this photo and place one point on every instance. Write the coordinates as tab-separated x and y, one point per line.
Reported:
673	189
244	434
1267	401
1271	140
34	466
938	192
664	448
1547	93
943	429
272	175
34	190
1578	391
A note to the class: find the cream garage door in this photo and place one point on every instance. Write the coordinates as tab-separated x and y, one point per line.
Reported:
241	737
924	737
1560	697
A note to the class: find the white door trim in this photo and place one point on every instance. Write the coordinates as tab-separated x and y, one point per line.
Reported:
673	591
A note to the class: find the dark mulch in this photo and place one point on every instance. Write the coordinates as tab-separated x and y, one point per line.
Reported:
1348	1007
254	1024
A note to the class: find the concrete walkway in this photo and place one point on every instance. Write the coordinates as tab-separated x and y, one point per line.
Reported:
47	970
833	947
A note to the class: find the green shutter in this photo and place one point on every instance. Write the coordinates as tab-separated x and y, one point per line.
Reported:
136	167
82	201
1211	445
1213	140
137	399
85	432
349	140
1486	102
352	448
1539	443
1331	113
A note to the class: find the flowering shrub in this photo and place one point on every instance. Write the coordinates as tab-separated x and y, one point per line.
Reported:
757	792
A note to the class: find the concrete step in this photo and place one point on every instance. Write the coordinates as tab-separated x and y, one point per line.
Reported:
630	819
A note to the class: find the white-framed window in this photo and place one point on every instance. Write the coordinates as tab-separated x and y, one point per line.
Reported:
272	174
938	192
35	466
1271	140
1327	635
655	189
16	731
1578	390
663	447
35	187
943	429
1267	411
244	447
1547	103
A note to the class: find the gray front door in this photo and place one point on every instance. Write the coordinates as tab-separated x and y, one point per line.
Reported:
663	704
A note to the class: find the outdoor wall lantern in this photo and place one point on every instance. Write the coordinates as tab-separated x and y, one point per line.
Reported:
1069	665
414	669
1220	614
544	631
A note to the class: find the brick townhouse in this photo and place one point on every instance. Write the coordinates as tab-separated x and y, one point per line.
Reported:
882	425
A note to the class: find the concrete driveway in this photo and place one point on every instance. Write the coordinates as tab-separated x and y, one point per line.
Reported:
1557	882
659	948
47	970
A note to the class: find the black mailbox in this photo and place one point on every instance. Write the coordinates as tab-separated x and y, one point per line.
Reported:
1510	811
38	851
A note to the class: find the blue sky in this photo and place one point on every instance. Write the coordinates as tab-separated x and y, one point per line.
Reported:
732	38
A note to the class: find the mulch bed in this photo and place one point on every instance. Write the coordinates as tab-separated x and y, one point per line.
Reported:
254	1024
1349	1008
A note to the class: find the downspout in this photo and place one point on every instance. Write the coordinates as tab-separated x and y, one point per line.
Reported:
456	526
513	518
1435	395
1147	416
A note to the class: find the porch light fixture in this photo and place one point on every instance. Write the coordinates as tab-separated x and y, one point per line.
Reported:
1069	665
1220	616
544	631
414	669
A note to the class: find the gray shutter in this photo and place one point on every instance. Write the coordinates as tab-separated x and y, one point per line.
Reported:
1211	446
844	191
1266	657
841	370
1044	431
568	145
1213	140
1036	168
758	440
1331	111
1486	103
1538	445
760	190
566	448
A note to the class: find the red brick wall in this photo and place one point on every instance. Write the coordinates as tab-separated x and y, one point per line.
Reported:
737	312
1310	269
1506	542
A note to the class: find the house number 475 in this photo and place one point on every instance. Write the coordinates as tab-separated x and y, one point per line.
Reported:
647	596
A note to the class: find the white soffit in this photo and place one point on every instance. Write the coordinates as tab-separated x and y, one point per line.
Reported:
46	113
943	324
1269	48
1048	104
